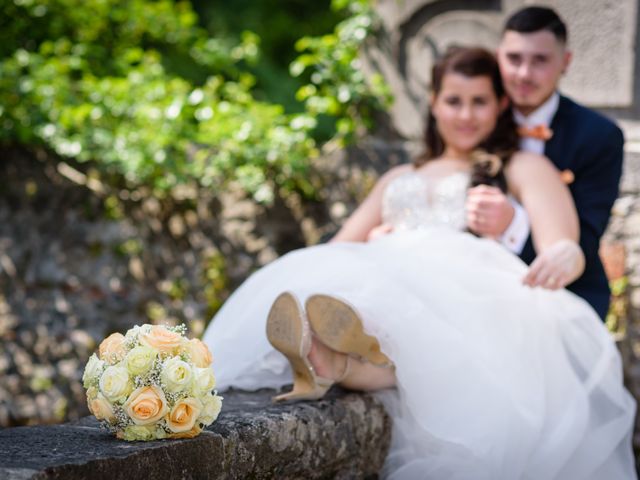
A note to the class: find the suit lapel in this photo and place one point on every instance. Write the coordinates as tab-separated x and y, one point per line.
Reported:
553	149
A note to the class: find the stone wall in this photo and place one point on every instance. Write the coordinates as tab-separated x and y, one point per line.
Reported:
80	260
344	436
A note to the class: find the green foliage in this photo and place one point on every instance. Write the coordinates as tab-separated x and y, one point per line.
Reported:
616	320
215	280
138	87
278	24
96	82
338	87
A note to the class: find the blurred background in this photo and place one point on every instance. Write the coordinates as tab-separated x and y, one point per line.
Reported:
155	153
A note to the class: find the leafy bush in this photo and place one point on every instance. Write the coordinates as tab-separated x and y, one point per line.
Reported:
337	86
141	89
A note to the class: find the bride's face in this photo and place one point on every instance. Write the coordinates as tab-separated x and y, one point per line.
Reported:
466	110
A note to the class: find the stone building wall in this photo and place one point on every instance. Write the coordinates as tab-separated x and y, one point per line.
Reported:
603	36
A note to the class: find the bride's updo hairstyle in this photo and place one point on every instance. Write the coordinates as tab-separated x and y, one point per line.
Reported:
495	151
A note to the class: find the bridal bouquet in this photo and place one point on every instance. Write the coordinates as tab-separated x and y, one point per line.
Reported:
152	383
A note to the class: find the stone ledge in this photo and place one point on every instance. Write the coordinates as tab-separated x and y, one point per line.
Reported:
344	436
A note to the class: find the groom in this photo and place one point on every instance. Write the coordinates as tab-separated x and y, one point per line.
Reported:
585	147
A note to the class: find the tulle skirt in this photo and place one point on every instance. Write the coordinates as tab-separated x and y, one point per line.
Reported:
495	380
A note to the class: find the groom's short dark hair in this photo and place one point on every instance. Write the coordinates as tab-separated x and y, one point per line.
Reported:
536	19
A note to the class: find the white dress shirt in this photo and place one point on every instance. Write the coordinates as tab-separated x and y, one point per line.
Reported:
516	234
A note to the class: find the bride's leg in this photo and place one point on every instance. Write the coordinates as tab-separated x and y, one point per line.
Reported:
347	371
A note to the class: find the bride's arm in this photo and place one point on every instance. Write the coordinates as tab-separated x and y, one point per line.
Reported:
555	228
369	214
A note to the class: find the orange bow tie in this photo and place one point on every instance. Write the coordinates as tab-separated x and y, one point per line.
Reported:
541	132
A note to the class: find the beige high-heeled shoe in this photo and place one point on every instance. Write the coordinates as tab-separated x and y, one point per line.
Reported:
289	333
339	326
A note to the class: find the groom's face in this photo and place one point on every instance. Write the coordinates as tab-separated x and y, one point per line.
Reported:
531	65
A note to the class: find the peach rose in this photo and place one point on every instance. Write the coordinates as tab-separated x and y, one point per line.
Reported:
146	405
112	348
161	338
194	432
102	409
199	353
183	415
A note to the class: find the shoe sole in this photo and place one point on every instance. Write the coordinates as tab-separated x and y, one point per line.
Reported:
339	326
285	332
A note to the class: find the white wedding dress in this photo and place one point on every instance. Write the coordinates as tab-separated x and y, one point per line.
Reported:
496	380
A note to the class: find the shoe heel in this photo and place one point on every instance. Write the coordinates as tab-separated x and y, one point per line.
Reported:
303	392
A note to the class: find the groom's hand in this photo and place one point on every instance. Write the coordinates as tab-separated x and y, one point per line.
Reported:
489	211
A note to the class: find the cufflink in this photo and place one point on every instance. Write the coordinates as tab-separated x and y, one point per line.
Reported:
567	177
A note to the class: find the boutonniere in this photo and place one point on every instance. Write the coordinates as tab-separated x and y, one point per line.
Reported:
567	177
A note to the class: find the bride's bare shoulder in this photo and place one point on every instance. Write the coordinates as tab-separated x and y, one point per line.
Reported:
389	175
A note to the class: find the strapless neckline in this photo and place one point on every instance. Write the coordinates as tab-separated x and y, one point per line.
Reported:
440	178
413	200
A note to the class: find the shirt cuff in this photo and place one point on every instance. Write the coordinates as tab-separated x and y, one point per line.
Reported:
517	233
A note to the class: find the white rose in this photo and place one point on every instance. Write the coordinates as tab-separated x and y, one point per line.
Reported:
140	359
211	406
204	380
133	332
176	375
133	433
92	392
92	371
115	384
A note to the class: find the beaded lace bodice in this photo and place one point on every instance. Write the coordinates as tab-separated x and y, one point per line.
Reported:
412	201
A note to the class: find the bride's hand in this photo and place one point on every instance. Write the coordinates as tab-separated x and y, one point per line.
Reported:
379	231
489	211
556	266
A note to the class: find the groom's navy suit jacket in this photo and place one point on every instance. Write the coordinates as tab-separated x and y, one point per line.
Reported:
590	146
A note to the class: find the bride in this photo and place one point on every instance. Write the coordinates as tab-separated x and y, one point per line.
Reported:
488	367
